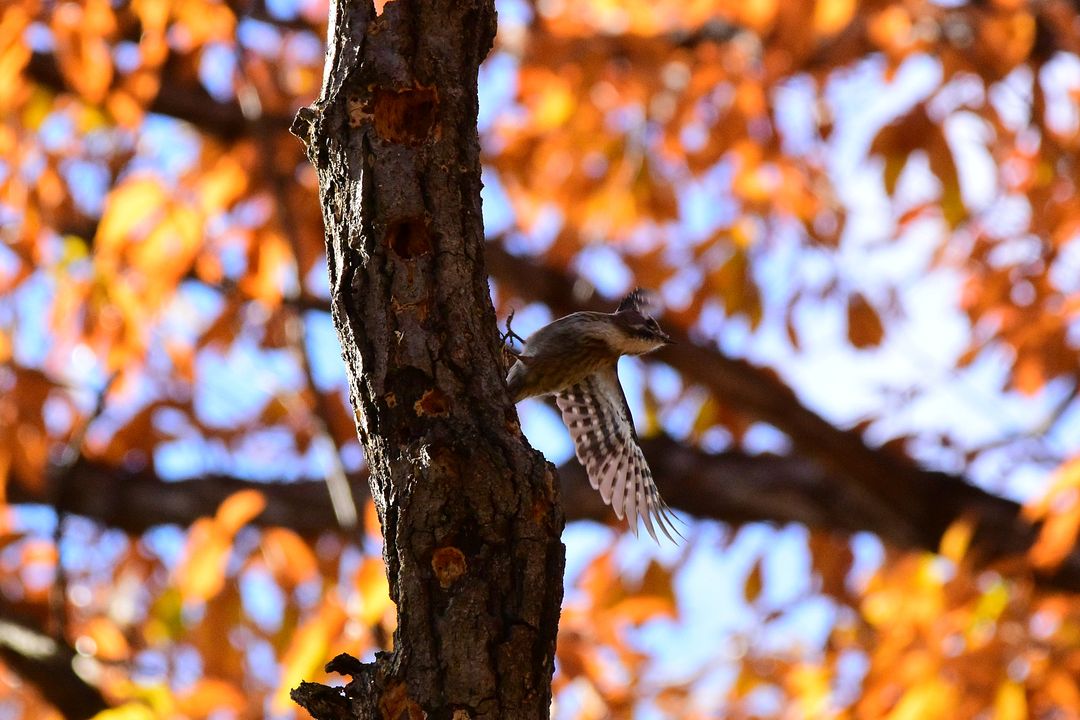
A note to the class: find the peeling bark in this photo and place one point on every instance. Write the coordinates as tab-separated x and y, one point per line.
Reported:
469	512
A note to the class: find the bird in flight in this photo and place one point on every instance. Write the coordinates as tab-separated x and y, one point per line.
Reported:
575	358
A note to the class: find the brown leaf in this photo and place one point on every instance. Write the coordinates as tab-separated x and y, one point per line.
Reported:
864	325
754	583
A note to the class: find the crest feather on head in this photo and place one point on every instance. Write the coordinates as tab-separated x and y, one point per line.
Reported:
642	300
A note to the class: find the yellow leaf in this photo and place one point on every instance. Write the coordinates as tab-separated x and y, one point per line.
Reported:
373	591
707	416
127	711
810	688
221	185
168	251
956	539
991	604
1010	702
307	652
554	103
166	619
127	209
933	698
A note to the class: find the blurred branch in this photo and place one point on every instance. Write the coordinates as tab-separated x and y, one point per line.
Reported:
732	487
47	664
184	100
59	476
137	500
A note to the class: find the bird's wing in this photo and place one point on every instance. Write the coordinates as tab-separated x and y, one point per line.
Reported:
602	429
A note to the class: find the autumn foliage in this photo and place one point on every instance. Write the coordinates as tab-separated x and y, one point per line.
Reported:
873	203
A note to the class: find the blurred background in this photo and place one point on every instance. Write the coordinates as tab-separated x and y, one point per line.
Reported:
861	218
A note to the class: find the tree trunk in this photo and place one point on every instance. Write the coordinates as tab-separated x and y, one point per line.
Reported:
469	512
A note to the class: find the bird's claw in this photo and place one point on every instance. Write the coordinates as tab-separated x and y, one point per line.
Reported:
510	336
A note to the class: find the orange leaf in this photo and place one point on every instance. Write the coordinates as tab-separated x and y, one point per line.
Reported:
238	509
14	52
832	16
220	186
201	573
210	696
82	50
638	610
759	14
109	642
1057	538
289	557
274	259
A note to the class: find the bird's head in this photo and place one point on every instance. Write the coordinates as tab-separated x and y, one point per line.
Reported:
639	333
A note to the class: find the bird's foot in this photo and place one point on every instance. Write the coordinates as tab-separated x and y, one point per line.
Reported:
510	336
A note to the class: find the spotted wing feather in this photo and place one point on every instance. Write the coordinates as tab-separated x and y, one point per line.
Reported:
596	413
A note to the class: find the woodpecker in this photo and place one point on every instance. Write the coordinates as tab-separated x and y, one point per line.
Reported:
576	358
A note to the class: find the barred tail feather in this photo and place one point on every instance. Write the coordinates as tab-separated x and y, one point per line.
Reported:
596	413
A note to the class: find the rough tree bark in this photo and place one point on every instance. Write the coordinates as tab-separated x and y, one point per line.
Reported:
469	512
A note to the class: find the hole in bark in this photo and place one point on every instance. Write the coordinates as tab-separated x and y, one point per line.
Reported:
449	564
396	703
408	238
433	402
405	116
